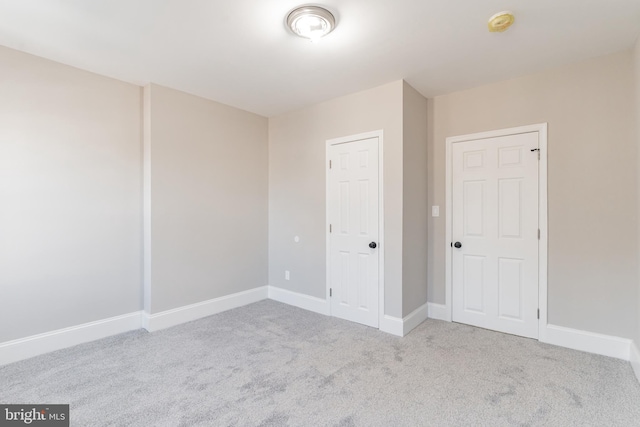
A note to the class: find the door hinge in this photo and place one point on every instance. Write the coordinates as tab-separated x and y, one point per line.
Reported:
538	314
330	292
538	150
329	164
538	234
330	228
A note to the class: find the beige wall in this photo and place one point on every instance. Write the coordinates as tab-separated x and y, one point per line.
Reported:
415	204
70	192
636	71
297	144
229	189
208	199
592	166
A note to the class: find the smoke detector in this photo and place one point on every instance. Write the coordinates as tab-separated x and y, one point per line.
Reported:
501	21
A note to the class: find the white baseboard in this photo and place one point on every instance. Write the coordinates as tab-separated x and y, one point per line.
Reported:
24	348
388	324
439	312
306	302
391	325
416	317
177	316
635	359
401	327
590	342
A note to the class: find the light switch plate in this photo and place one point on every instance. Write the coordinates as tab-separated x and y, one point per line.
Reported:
435	211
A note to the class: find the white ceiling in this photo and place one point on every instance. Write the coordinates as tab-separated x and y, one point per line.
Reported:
238	52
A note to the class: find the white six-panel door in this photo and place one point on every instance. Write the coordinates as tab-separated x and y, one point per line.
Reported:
353	218
495	222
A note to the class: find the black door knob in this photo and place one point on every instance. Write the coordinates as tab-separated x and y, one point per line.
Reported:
457	245
373	245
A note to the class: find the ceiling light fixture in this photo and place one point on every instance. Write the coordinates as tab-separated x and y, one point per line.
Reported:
501	22
311	22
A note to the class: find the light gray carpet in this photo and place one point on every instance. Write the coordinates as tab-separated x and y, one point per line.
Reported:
269	364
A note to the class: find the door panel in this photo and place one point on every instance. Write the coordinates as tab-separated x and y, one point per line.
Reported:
474	200
473	282
510	288
353	215
510	208
495	218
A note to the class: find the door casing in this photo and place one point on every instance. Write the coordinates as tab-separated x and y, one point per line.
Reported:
542	215
381	244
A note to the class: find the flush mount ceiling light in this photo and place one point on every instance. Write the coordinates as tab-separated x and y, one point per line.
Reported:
311	22
501	22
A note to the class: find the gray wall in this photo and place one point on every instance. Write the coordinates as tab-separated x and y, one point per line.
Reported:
70	196
297	145
415	204
593	190
208	199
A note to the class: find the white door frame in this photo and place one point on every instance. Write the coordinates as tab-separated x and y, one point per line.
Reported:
541	128
353	138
